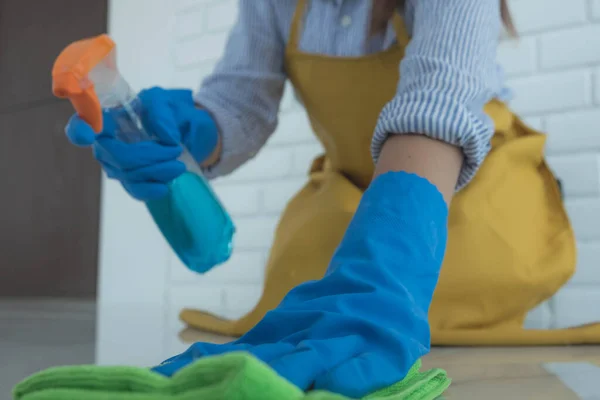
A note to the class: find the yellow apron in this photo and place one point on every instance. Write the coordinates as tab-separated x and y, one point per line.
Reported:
510	243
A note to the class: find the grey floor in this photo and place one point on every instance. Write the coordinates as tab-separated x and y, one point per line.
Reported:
37	334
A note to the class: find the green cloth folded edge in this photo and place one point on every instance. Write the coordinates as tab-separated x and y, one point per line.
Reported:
233	376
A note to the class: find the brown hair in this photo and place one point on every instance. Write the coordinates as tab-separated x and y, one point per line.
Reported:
507	18
383	8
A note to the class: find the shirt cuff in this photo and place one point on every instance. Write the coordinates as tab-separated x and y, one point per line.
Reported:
439	117
230	132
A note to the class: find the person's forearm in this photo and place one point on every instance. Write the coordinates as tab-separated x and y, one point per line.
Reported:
436	161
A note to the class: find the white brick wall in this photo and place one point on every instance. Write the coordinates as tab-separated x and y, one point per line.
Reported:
554	69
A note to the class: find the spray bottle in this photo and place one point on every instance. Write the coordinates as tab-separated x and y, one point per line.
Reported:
190	217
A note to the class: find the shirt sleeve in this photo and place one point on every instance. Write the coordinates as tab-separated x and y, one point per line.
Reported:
448	74
244	91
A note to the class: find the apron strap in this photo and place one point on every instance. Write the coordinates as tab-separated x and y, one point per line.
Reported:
294	40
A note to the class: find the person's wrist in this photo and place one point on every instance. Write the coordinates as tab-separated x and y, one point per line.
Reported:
214	157
201	138
434	160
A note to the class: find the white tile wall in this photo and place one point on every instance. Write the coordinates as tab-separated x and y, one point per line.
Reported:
187	52
189	24
554	69
587	271
569	306
221	15
569	167
521	56
533	16
553	92
563	49
595	4
585	213
597	86
574	132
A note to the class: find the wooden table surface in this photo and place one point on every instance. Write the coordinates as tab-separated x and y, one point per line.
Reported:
492	373
508	373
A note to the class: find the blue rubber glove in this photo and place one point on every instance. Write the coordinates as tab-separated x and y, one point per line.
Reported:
145	168
362	326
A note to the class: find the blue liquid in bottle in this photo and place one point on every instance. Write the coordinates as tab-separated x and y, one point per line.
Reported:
194	223
190	217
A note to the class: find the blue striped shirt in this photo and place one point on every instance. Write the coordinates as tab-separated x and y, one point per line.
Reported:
448	74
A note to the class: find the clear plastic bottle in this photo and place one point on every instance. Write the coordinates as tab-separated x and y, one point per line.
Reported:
190	217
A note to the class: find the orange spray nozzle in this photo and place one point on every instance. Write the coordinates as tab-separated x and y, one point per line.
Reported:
70	76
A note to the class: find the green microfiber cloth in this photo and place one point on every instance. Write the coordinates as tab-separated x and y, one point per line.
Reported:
233	376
